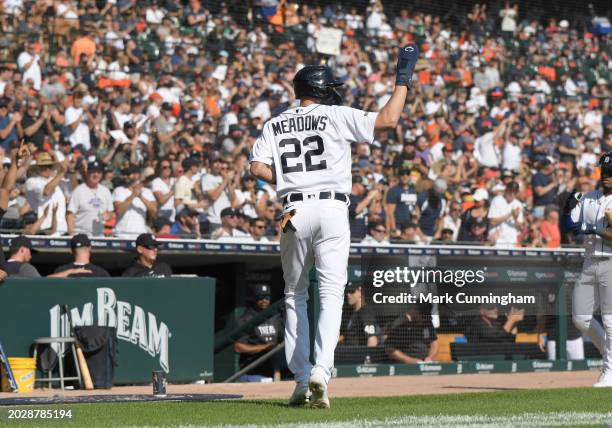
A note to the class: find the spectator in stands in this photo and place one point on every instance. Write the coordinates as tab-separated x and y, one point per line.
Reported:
228	230
91	204
79	122
42	189
410	234
478	233
431	205
549	227
10	124
184	189
80	247
246	196
36	124
218	186
358	209
359	328
506	217
488	328
261	338
146	263
411	338
186	225
132	203
377	235
30	65
401	202
451	221
31	222
545	186
257	229
163	188
479	210
162	228
7	182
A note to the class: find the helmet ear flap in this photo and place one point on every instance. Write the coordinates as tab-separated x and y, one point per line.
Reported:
333	98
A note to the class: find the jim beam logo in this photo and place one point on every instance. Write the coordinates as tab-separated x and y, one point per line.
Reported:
132	323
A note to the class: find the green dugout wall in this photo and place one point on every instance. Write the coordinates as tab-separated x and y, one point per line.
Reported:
162	324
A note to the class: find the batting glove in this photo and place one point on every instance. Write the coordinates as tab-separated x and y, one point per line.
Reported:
589	229
406	62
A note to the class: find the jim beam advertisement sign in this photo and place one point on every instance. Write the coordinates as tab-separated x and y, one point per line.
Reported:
133	323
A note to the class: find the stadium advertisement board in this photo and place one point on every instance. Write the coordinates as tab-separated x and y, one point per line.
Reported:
162	324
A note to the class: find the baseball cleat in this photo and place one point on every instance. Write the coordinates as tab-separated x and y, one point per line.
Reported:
300	396
318	388
604	381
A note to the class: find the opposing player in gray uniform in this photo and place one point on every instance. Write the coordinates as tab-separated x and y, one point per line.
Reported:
590	214
306	152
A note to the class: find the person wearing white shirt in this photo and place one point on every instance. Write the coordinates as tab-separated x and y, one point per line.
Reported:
257	228
377	235
512	153
154	15
228	230
91	204
78	121
509	16
132	203
452	220
506	217
42	190
246	197
163	190
29	65
218	186
486	151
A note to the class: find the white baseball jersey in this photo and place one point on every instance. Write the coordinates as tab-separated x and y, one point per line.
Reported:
310	147
591	209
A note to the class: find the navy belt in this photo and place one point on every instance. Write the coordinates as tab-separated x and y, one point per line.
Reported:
296	197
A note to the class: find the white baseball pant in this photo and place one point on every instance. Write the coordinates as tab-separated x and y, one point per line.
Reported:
574	347
593	290
321	236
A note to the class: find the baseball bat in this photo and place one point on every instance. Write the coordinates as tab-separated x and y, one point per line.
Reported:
8	372
79	354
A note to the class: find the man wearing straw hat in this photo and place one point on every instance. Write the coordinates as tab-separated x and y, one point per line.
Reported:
42	189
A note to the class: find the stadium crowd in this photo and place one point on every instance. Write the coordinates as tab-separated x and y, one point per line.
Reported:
139	117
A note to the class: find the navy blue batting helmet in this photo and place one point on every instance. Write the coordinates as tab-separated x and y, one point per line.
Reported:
605	161
318	82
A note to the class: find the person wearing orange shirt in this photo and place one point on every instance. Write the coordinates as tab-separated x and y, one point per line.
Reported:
549	228
82	45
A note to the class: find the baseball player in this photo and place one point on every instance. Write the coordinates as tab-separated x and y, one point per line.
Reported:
306	152
591	214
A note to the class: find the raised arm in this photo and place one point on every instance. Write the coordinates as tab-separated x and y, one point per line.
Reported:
389	115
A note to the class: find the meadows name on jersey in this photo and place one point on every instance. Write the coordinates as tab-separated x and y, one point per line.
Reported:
310	147
299	124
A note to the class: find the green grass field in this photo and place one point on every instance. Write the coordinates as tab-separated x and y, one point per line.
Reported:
528	408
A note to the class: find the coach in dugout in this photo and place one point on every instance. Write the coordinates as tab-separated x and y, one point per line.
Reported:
489	328
20	254
146	264
412	338
80	246
261	338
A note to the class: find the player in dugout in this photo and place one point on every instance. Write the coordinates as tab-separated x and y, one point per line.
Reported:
360	327
261	339
80	247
